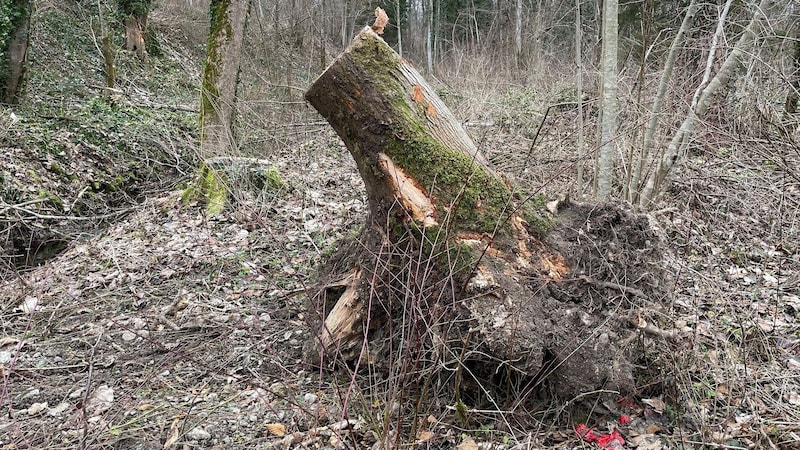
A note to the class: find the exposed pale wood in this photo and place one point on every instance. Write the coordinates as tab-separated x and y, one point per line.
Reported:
407	144
134	34
340	325
446	245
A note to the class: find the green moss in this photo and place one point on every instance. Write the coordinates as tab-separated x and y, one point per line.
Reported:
58	169
271	180
480	201
51	198
34	176
209	188
220	23
539	223
135	8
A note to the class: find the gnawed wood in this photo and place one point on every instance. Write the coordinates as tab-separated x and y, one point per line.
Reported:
452	259
391	120
340	324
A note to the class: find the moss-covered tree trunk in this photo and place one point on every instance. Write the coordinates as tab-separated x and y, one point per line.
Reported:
15	18
221	75
452	261
134	17
218	99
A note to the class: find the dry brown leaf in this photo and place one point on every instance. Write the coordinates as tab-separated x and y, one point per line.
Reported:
276	429
36	408
654	445
174	432
653	429
101	399
467	444
28	305
7	340
425	436
656	403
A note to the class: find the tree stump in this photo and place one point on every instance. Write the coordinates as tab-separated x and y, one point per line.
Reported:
456	268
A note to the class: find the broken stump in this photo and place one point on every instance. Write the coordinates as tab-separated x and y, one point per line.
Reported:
455	266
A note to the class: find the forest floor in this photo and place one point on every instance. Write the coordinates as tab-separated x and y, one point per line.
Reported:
146	323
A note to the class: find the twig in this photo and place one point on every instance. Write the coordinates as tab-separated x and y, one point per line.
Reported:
34	215
655	331
652	330
86	394
607	284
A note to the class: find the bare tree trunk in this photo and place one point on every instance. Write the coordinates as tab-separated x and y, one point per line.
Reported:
220	76
579	89
518	34
536	33
218	99
658	101
610	104
107	50
712	51
680	141
398	13
134	34
790	106
134	14
14	39
631	162
429	35
323	56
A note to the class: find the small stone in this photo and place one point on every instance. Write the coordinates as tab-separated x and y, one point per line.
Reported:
36	408
128	336
310	398
32	393
76	393
198	434
59	409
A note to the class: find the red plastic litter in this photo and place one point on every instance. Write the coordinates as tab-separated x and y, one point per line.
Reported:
606	441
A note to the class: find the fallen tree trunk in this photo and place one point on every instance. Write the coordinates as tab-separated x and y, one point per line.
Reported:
454	268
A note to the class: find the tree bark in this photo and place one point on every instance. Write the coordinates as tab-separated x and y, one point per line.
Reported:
395	122
658	101
134	34
579	90
680	141
609	105
134	13
518	35
449	255
14	50
790	106
221	76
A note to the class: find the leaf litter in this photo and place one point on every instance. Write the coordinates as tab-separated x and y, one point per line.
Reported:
186	329
172	313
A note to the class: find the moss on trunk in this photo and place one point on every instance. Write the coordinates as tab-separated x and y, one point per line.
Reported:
380	105
14	29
